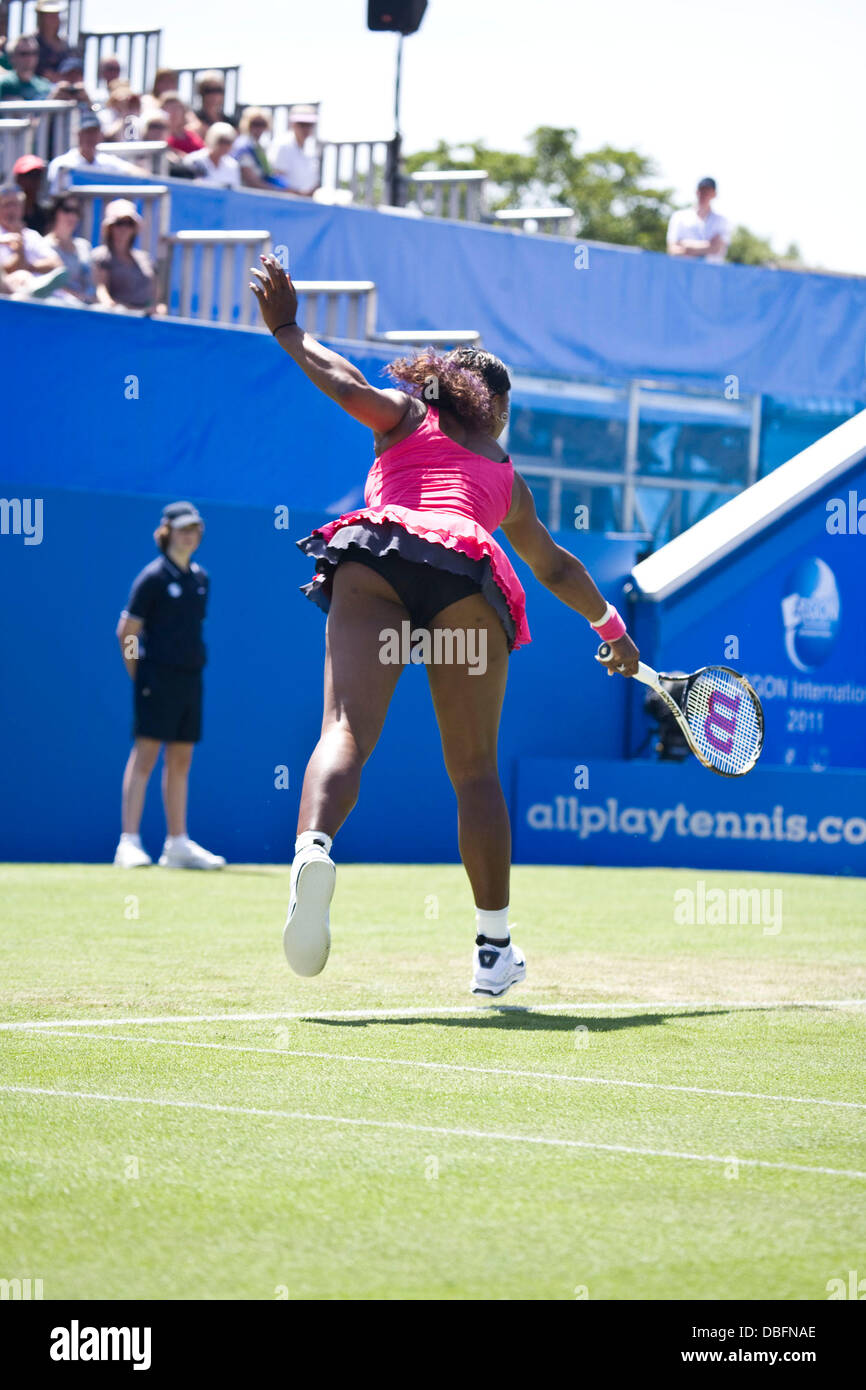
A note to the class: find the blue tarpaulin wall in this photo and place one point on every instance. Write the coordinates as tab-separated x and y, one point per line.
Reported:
65	699
625	313
152	406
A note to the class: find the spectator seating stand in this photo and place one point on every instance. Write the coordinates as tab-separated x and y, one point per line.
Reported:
137	49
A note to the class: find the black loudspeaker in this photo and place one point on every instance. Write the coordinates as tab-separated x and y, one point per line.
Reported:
398	16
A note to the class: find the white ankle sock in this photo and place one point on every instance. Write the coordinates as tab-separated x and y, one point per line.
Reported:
312	837
493	925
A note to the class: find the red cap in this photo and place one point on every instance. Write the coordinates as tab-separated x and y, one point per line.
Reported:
27	163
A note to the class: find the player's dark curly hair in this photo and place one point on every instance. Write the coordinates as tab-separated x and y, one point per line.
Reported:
463	381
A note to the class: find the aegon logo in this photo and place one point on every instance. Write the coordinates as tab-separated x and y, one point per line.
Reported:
76	1343
810	612
720	726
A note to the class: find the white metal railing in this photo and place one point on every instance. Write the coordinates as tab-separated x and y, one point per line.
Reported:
213	278
137	49
152	200
52	124
22	19
152	153
454	193
337	308
358	165
349	309
556	220
16	138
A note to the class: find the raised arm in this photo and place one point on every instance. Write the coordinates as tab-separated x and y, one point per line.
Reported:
560	571
338	378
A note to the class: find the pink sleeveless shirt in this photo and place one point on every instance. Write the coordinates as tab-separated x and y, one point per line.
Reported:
450	496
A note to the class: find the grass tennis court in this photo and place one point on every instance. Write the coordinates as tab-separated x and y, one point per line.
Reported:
662	1111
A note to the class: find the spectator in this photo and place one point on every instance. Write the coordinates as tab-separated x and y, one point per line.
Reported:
180	137
28	263
22	84
699	231
215	166
124	276
52	48
160	636
70	85
165	80
211	90
250	154
289	157
119	118
109	71
27	172
86	157
74	251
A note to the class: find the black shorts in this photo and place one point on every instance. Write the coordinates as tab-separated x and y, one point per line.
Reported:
168	702
424	590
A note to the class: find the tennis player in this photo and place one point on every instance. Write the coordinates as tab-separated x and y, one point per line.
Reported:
422	549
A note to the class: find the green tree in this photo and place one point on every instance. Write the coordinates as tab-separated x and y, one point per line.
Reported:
748	249
613	192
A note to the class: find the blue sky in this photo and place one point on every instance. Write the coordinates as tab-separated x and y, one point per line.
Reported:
766	96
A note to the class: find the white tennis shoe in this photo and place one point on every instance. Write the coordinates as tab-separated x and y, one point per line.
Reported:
130	854
180	852
307	933
496	968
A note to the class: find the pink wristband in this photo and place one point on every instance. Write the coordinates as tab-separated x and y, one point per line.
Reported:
612	629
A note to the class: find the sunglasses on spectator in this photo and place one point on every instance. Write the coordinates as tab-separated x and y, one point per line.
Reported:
124	222
70	207
212	91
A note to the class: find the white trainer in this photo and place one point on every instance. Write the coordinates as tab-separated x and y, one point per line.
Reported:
130	854
180	852
496	968
307	933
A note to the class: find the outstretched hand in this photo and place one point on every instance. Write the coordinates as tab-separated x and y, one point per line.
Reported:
277	297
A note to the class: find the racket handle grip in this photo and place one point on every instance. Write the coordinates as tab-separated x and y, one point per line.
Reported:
645	674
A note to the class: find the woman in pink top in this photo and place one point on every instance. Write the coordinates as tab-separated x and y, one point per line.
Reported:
422	552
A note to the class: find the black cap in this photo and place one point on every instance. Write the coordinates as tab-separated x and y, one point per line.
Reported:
182	514
708	183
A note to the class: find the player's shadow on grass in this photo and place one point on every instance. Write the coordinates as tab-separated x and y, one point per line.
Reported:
513	1016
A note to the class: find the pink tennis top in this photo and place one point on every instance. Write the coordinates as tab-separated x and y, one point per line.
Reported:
449	496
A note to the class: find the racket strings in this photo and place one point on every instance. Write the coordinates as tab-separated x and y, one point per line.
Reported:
723	720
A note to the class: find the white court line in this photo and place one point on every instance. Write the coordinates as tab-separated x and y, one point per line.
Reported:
434	1011
461	1067
406	1127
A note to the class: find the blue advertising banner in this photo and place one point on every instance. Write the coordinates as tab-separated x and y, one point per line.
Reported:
787	611
673	816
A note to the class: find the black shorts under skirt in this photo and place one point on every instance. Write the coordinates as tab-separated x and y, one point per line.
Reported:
426	576
168	703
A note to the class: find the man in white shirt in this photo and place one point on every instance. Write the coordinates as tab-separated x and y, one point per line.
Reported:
86	157
289	158
699	231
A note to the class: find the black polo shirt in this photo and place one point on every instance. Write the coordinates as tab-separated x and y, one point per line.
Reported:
171	603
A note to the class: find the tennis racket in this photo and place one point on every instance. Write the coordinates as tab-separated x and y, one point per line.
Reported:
718	711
